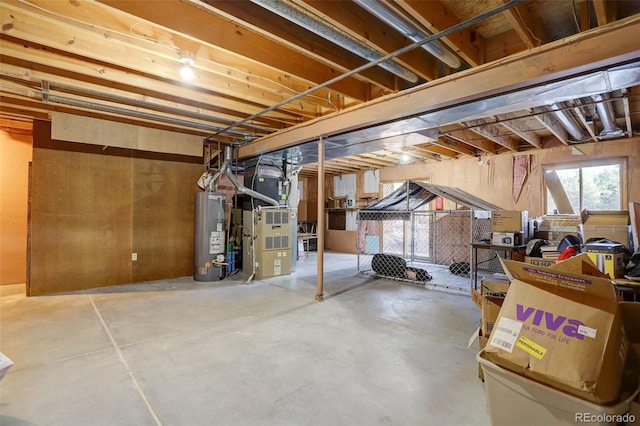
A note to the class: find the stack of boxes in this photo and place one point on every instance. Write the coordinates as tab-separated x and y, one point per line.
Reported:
555	227
557	351
601	224
489	299
509	228
609	257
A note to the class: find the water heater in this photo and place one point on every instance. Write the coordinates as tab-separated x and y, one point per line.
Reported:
210	236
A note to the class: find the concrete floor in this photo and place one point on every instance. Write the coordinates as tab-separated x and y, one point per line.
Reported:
179	352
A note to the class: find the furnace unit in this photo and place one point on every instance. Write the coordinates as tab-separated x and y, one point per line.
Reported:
267	242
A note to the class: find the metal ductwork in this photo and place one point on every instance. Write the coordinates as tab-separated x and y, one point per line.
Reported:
316	25
207	181
404	26
569	122
607	118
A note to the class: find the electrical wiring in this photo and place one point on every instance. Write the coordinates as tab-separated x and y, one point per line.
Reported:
575	15
527	28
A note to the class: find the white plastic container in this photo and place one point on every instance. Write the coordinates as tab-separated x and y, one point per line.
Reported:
5	365
351	201
513	399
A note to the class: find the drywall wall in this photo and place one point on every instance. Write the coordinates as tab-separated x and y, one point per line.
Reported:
15	155
91	208
491	179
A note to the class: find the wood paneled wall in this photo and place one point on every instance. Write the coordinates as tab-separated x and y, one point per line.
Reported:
91	208
493	179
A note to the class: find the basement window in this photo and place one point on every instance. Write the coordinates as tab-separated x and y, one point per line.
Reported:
593	186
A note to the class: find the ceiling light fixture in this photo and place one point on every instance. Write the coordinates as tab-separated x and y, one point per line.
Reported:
405	157
187	59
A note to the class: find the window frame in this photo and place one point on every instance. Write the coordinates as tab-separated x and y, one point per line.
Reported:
620	161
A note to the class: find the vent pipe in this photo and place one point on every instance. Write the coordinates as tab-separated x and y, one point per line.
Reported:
607	118
207	181
404	26
569	122
316	25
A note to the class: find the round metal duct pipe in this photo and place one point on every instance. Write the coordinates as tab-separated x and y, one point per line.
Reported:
308	21
401	24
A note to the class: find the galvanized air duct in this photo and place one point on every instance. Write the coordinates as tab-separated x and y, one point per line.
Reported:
401	24
208	181
607	118
569	122
305	19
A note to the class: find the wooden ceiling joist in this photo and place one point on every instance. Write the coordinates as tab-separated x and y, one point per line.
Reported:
603	46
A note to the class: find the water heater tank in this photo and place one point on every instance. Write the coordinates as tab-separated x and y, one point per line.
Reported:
210	234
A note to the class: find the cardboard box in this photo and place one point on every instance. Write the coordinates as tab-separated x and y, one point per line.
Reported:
610	264
513	399
489	299
509	221
555	235
608	257
630	316
609	224
538	261
493	292
561	326
509	239
482	343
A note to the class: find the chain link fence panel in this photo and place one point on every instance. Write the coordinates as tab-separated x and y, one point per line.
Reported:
423	247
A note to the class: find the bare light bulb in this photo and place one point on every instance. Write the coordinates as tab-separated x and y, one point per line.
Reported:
405	157
187	73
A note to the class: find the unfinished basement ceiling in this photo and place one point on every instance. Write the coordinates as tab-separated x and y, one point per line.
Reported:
257	62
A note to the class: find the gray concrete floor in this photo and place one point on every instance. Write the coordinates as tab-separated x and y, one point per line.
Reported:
179	352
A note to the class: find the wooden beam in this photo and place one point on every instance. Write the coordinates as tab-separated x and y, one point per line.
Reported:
609	45
111	41
436	148
627	112
513	124
204	22
351	19
503	45
436	17
455	145
605	11
359	161
103	64
378	157
583	119
472	139
546	118
492	132
279	32
33	63
523	23
557	192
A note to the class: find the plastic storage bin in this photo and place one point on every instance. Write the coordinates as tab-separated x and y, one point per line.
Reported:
513	399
